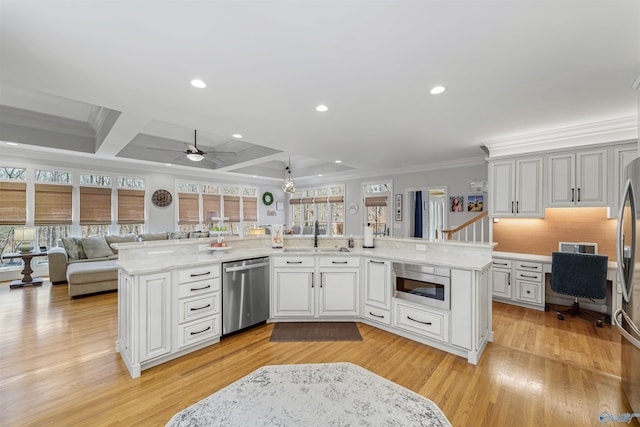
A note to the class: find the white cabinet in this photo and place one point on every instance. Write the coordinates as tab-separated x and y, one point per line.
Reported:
293	288
198	305
501	278
518	282
305	287
377	290
577	179
621	156
516	188
422	320
339	291
164	315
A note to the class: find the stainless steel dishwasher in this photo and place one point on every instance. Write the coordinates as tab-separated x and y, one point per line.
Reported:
245	294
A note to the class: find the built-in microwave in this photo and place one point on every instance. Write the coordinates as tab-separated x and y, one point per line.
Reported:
423	284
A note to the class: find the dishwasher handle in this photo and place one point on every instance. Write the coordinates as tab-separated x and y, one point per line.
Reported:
245	267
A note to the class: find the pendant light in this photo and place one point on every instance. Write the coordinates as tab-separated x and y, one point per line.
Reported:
288	186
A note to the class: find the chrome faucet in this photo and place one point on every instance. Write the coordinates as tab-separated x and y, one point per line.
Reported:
316	231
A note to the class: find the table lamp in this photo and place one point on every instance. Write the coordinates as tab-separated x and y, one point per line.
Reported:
26	236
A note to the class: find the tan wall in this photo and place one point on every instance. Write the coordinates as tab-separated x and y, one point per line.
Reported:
540	236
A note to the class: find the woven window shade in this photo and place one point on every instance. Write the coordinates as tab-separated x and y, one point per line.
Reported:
295	201
95	205
232	208
53	204
375	201
250	208
210	204
13	203
336	199
320	199
188	209
130	206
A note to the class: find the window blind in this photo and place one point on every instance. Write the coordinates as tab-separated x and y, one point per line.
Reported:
250	208
322	199
210	206
53	204
13	203
232	208
295	201
130	206
336	199
95	205
188	210
375	201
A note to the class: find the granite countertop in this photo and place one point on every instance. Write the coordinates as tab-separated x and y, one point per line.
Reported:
545	259
164	258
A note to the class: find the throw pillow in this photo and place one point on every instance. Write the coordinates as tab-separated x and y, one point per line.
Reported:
73	246
115	238
153	236
198	234
96	247
179	235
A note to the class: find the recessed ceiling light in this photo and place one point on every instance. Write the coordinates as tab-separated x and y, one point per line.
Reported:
322	108
12	143
167	164
198	83
319	174
437	90
237	135
254	176
338	161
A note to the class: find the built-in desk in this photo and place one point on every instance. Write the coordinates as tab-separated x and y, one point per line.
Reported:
508	274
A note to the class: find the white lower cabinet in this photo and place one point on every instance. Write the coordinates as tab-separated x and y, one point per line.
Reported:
518	282
304	287
422	320
164	315
377	290
292	287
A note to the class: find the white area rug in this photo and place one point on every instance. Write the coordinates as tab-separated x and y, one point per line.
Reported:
334	394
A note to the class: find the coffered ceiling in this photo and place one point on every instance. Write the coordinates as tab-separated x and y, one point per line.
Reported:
111	80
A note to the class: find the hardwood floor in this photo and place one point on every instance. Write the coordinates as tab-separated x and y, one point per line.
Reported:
58	367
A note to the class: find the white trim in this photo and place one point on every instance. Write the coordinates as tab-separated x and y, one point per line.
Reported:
606	131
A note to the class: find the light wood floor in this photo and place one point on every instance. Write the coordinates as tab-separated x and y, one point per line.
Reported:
58	367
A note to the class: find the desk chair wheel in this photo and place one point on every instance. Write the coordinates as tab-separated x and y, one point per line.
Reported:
599	324
560	316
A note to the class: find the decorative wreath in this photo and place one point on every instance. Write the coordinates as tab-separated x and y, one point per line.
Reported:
267	198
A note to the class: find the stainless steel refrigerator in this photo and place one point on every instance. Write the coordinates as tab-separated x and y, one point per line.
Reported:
627	318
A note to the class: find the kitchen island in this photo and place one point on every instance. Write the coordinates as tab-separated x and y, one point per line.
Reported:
169	292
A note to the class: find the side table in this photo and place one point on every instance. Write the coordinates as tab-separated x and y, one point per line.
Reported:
27	270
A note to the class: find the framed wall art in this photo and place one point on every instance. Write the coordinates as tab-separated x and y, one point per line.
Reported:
398	207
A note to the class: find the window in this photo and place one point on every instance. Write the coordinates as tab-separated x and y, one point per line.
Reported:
376	202
56	177
97	180
95	211
231	210
324	204
188	211
52	204
13	203
131	192
13	174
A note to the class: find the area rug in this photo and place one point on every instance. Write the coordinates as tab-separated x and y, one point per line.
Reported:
333	394
315	331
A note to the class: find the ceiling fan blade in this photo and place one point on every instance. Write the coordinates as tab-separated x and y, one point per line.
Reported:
213	160
192	148
164	149
222	153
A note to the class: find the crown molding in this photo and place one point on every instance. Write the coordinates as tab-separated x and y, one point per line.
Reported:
621	129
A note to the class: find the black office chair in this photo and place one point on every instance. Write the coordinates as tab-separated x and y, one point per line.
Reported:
580	275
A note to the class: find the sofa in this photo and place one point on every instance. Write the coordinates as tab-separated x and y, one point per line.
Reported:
88	264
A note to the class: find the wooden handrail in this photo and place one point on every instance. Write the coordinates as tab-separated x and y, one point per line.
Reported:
450	233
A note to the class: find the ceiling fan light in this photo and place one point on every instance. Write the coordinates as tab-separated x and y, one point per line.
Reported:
195	157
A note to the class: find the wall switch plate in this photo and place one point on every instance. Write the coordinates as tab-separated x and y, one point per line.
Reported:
420	247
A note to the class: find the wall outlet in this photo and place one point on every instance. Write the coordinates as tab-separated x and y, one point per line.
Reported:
420	247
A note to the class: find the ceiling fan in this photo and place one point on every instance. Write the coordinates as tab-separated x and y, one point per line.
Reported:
195	154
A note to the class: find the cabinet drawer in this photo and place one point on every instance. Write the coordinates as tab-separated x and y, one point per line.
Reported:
198	288
502	263
528	266
198	273
529	292
195	332
329	261
531	276
195	308
377	314
298	261
421	321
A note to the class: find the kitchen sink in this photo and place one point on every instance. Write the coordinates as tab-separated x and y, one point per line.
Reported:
316	250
